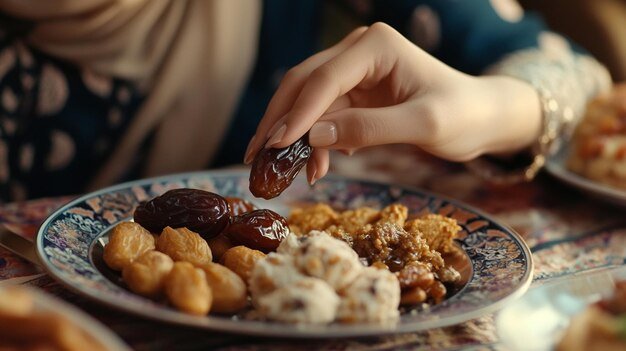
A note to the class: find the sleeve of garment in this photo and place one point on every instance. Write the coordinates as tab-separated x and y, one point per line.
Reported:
498	37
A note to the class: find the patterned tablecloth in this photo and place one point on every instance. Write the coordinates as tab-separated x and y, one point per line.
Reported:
567	232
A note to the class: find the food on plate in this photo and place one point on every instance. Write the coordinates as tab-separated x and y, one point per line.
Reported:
219	245
389	239
261	230
238	206
241	260
146	275
187	288
25	326
127	241
181	244
319	266
201	211
273	272
308	300
318	279
598	149
329	259
273	170
600	327
230	293
373	297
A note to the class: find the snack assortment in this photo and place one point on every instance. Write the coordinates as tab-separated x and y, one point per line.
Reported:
598	150
320	266
411	248
26	327
601	326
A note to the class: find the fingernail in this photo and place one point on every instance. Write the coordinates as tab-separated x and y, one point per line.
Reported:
323	133
312	178
275	127
247	159
277	137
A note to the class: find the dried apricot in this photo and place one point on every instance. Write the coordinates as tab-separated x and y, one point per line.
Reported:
146	275
127	241
241	260
187	289
182	244
229	290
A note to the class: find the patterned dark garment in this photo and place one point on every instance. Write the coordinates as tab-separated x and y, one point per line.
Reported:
57	122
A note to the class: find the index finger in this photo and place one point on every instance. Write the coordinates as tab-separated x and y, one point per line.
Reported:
359	63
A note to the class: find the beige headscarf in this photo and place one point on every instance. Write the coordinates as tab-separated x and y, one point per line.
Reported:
192	57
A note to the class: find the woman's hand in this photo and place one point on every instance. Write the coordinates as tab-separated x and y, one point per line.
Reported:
375	87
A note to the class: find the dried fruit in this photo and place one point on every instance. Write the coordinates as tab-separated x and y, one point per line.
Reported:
127	241
238	206
219	245
241	260
260	229
229	290
187	289
182	244
146	275
201	211
273	170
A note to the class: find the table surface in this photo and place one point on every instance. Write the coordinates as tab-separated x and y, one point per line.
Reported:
568	233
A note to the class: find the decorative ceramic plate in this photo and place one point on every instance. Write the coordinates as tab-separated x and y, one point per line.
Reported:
46	303
497	266
556	166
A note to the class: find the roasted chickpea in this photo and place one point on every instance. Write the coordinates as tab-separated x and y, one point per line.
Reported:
229	290
187	289
241	260
182	244
127	241
146	275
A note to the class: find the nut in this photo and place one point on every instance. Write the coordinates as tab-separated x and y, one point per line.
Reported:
241	260
146	275
229	290
187	289
182	244
127	241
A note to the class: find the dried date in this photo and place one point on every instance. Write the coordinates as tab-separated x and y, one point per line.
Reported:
260	229
273	170
238	206
201	211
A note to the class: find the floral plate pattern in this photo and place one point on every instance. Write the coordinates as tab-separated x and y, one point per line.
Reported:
501	262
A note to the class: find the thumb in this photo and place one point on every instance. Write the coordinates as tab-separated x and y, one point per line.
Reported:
355	128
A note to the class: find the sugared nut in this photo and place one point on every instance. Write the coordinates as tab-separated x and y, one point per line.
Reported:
229	290
241	260
187	289
127	241
146	275
219	245
182	244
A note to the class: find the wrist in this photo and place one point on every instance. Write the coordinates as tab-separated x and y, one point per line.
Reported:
514	120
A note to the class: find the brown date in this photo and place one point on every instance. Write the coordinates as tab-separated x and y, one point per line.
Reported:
200	211
273	170
261	230
238	206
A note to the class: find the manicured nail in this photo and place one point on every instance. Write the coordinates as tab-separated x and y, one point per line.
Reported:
312	178
275	127
247	159
323	133
277	137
